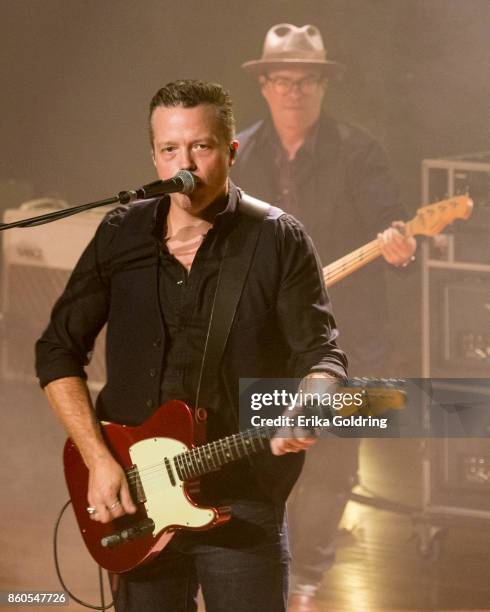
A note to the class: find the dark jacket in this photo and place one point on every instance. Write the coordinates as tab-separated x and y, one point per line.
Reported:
346	196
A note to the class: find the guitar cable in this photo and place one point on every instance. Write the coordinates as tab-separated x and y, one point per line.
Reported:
58	571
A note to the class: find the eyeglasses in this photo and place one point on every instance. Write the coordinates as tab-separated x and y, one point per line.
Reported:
283	85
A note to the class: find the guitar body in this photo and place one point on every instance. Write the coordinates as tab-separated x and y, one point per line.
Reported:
163	497
163	460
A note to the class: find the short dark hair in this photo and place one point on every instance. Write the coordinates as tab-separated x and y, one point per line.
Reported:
189	93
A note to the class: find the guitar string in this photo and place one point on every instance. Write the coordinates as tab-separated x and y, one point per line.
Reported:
212	447
239	440
209	462
337	274
155	476
218	451
357	256
224	455
188	473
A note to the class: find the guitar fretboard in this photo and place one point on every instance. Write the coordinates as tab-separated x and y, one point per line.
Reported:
205	459
201	460
212	456
349	263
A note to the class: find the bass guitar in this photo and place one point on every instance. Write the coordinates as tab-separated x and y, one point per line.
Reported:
429	221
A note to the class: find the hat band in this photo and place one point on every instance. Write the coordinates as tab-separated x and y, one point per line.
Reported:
280	55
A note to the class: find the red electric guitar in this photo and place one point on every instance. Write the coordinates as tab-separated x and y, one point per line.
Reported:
163	464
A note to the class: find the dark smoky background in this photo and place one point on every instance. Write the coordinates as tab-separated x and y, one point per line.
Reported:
76	79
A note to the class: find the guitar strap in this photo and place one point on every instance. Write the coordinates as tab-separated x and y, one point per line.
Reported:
237	258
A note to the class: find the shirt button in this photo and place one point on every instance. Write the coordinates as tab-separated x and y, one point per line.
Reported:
149	403
157	342
153	372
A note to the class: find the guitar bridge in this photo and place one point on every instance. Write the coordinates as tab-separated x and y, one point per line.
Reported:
126	535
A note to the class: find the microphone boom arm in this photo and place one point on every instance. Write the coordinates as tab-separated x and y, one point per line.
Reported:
183	182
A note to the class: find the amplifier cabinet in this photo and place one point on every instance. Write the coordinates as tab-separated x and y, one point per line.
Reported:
457	475
36	265
458	322
468	240
456	336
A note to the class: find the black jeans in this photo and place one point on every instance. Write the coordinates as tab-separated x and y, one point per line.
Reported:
240	566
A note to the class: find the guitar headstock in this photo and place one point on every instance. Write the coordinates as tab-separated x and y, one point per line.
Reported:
432	219
377	394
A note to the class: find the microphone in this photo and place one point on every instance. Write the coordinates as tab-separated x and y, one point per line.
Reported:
183	182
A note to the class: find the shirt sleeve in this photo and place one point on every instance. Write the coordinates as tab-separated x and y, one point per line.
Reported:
77	317
373	188
303	306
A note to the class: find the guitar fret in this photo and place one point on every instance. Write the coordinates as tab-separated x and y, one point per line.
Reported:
244	449
215	454
218	444
245	444
196	460
190	466
209	456
225	454
204	466
195	463
205	459
229	456
182	467
236	438
178	468
252	440
261	440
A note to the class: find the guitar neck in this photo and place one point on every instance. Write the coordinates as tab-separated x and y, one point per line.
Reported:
191	464
210	457
429	221
350	263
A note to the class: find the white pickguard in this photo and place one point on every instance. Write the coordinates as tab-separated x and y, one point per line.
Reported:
166	504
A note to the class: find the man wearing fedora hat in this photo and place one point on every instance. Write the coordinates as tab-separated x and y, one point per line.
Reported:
335	179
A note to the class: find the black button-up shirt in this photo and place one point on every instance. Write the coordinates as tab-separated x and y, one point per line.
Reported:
157	319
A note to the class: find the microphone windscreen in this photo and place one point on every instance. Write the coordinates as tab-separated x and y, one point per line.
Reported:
188	181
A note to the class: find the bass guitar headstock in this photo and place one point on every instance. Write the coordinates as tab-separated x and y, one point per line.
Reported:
432	219
377	395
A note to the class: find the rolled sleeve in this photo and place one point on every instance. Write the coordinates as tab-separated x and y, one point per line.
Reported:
77	317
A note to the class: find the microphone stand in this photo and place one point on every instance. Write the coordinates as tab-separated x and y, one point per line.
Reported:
183	182
61	214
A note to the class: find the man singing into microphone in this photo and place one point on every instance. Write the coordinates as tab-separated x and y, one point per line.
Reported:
151	273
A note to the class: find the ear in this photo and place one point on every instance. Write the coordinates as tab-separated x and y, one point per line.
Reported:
324	83
262	82
233	151
153	157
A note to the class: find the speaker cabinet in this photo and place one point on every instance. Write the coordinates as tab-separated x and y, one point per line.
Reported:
36	265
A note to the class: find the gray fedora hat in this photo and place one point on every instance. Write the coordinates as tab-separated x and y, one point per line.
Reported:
288	45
